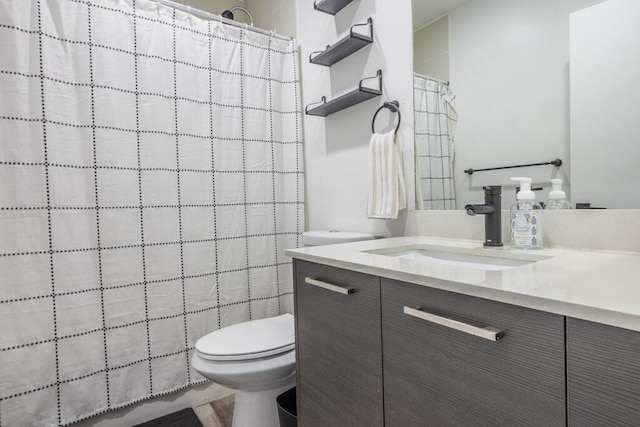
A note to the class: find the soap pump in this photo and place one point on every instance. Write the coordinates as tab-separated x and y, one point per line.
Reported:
526	218
557	197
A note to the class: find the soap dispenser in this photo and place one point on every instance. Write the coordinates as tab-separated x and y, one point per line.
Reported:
557	197
526	218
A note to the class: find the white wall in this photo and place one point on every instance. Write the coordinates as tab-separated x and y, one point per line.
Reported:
431	49
510	74
213	6
276	15
336	147
605	104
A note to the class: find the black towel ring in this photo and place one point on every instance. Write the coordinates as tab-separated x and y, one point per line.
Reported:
394	106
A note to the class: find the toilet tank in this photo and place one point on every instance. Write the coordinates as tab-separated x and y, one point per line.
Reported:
330	237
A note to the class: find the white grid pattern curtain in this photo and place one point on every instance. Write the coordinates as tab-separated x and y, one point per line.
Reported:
435	124
150	181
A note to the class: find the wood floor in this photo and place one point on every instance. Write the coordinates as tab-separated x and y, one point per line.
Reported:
218	413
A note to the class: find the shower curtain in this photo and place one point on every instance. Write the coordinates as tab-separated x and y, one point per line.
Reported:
435	124
150	181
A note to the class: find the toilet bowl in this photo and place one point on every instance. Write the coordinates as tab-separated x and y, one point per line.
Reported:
257	359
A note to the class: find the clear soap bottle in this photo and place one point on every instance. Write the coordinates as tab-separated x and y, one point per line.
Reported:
526	218
557	197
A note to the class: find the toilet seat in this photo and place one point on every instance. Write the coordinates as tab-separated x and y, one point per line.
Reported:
249	340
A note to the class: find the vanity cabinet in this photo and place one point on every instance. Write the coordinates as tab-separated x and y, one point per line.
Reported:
435	375
338	347
603	375
448	359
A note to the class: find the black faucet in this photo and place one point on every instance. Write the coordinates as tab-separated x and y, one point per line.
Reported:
492	210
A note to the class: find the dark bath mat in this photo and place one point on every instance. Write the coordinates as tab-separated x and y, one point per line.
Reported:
184	418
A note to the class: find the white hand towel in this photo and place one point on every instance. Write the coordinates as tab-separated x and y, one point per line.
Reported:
386	179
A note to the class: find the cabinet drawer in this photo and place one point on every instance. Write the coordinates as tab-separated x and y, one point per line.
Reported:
442	376
338	347
603	375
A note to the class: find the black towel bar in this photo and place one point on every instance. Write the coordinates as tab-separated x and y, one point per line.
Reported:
394	106
556	163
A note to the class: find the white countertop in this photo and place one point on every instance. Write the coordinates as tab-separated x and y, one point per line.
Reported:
600	286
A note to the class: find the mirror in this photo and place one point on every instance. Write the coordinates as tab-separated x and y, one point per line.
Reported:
527	84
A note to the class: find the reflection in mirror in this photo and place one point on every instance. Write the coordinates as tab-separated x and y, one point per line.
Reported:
511	100
434	125
435	114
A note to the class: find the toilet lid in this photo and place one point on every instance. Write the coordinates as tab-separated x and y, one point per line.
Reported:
329	237
249	340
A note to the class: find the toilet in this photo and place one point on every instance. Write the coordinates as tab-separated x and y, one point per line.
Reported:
257	357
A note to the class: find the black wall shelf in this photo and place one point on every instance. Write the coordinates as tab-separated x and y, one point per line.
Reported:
356	96
330	6
345	47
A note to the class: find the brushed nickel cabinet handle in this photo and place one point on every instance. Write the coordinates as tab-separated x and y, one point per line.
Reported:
345	290
488	332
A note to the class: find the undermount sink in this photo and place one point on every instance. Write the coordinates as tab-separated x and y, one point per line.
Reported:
480	259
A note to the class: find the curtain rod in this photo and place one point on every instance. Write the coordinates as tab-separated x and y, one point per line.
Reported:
205	14
444	82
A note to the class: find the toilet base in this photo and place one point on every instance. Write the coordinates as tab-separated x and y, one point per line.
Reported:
259	408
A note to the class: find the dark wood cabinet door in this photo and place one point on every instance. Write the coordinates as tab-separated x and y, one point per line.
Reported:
438	376
603	375
338	347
